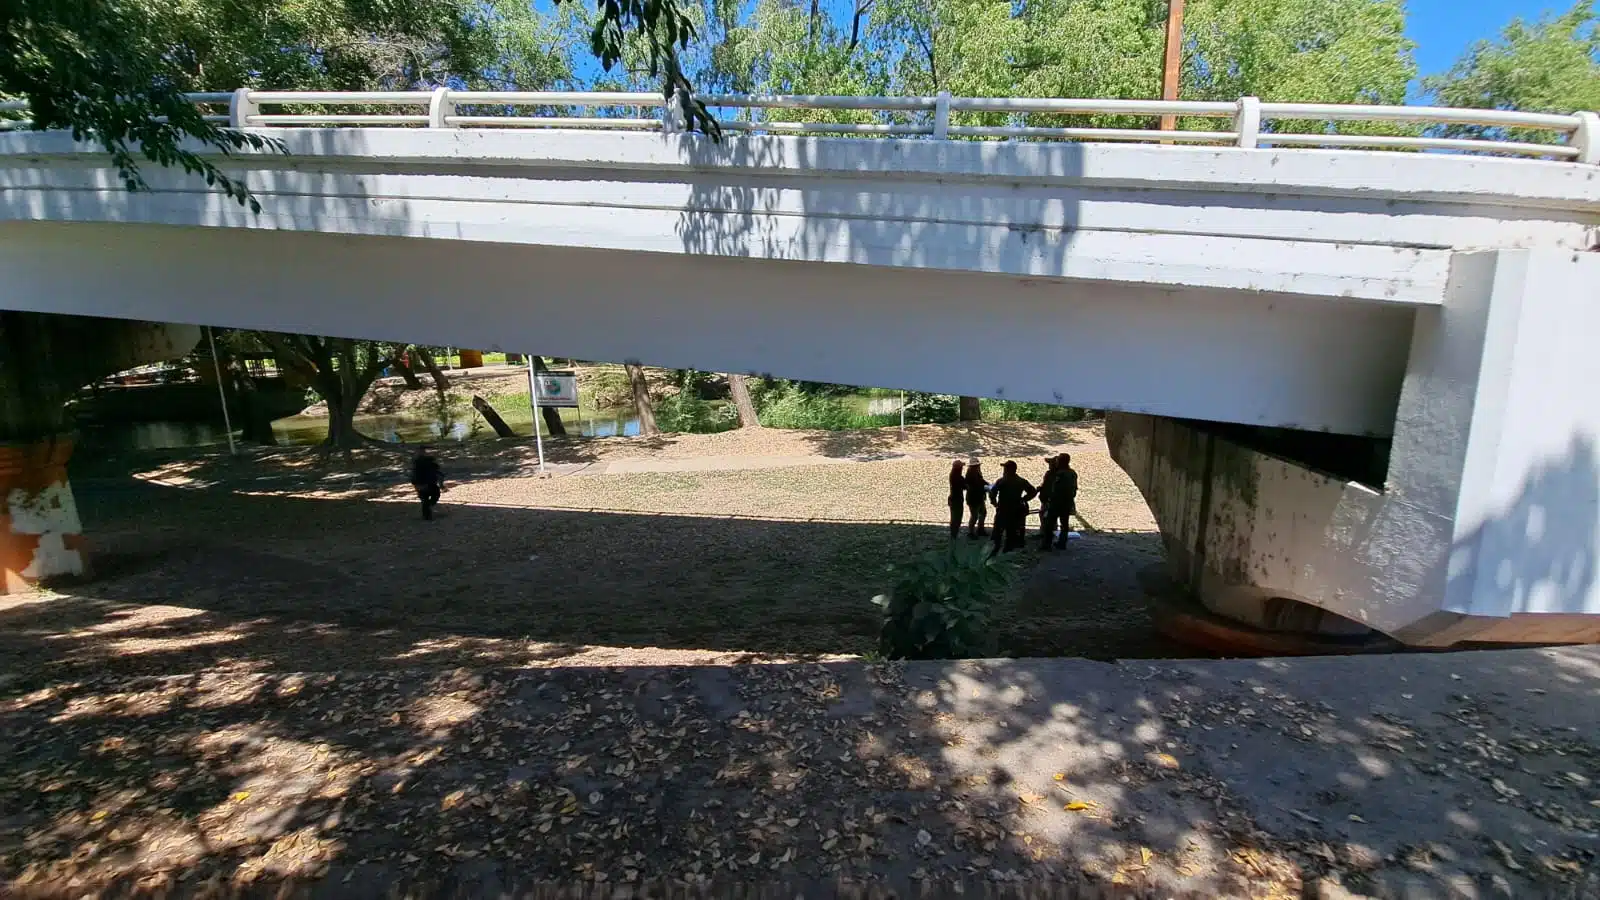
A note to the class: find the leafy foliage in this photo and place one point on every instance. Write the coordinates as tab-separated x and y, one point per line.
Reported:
798	409
942	602
1023	411
1549	65
686	412
104	71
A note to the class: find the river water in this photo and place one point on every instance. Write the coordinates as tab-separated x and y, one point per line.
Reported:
414	427
310	430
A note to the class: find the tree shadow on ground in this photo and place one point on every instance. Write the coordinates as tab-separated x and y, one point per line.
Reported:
963	440
1206	779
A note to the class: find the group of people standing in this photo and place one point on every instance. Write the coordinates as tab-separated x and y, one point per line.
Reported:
1010	494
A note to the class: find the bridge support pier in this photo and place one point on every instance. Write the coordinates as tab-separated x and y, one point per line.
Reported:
44	360
1478	522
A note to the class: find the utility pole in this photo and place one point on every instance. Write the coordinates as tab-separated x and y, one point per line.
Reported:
1173	65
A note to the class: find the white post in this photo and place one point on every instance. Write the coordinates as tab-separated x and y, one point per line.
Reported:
1587	138
216	366
533	399
673	119
1247	122
241	108
440	106
902	413
941	116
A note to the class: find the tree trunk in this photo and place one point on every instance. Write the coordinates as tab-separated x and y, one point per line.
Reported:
641	399
970	410
440	382
742	402
342	434
413	383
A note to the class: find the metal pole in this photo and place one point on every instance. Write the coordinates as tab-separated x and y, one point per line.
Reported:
216	366
533	399
1173	65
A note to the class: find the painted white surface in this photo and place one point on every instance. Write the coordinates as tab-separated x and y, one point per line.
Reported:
1527	523
1324	223
1230	356
1489	526
49	516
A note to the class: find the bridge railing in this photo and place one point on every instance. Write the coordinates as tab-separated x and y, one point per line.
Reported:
1247	122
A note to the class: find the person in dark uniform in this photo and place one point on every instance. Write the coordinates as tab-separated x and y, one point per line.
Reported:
1044	490
958	496
1011	495
977	500
427	478
1060	503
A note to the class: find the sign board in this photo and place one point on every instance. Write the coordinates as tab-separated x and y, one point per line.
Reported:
557	388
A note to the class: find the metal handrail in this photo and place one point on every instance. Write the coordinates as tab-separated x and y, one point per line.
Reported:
1577	134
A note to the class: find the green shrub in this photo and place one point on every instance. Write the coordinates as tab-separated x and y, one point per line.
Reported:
1021	411
942	602
932	409
685	413
796	409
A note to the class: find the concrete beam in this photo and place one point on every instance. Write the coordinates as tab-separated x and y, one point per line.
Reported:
1230	356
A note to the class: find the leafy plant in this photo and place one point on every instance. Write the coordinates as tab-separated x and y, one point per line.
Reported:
687	413
798	409
1022	411
942	602
924	409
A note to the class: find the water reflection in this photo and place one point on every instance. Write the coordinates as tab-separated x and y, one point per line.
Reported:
304	431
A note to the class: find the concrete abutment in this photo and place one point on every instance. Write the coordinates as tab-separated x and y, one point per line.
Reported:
1481	525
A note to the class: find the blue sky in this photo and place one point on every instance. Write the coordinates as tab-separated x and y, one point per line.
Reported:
1442	29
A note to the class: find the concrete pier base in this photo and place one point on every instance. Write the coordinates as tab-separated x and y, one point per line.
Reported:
1477	522
40	535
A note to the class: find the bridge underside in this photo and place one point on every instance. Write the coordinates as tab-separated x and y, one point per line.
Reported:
1229	356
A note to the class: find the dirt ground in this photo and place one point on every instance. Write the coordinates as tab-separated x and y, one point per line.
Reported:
282	679
278	564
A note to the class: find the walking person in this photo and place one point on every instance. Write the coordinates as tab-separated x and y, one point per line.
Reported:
977	500
1011	494
427	478
958	496
1061	503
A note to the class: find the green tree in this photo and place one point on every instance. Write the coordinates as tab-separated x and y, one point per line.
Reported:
341	371
1549	65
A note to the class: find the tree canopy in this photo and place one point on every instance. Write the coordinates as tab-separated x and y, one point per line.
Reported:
114	71
1549	65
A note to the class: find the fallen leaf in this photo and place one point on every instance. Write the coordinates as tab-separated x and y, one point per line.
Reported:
240	796
1078	806
1355	818
99	814
1060	776
1144	855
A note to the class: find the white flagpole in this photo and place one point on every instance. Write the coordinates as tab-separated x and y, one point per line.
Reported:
211	337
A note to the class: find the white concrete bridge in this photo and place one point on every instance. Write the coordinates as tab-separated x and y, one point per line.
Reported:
1248	275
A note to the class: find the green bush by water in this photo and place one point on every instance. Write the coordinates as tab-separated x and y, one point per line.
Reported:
1019	411
942	603
685	413
799	408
